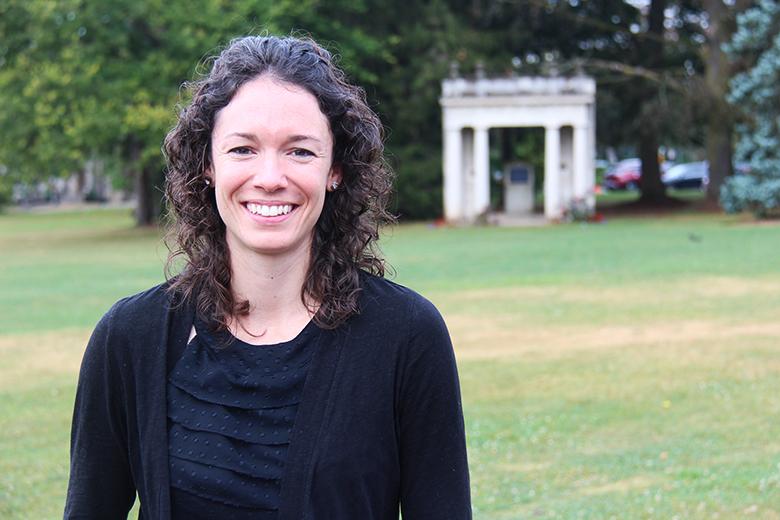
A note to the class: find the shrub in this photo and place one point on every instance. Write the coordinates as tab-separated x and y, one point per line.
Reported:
750	193
757	92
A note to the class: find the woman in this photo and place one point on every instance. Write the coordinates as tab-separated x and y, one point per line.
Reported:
279	376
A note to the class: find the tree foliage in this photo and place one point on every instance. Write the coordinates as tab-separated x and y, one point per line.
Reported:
82	79
757	92
89	79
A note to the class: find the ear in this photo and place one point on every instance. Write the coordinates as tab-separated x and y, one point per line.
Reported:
334	176
208	178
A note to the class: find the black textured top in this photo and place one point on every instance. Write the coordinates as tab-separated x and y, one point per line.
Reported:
379	423
231	408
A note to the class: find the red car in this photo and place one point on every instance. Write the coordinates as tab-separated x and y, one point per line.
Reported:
625	174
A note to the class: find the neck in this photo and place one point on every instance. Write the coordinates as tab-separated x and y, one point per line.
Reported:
272	285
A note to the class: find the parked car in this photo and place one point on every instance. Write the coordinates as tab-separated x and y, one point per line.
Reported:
687	175
694	175
624	175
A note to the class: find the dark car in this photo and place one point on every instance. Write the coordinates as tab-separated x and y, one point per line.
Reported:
694	175
687	175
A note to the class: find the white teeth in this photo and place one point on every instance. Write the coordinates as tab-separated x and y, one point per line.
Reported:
268	211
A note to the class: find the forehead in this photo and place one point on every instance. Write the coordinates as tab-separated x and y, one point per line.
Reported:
267	104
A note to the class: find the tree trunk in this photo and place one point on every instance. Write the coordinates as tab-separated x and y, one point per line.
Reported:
718	136
145	213
720	122
653	190
81	181
651	49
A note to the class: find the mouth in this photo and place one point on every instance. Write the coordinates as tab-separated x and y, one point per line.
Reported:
269	210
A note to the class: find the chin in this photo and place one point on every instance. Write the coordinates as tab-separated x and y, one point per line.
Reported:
273	247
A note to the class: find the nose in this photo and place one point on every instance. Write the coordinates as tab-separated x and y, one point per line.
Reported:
269	174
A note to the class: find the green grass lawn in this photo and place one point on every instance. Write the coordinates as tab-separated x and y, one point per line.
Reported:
628	369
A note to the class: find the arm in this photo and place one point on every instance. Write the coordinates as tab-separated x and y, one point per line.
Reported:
101	485
434	468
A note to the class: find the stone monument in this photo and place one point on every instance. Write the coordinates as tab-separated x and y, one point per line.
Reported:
563	106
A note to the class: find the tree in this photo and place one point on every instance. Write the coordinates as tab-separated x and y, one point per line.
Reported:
99	79
39	92
680	82
650	54
720	119
711	26
757	92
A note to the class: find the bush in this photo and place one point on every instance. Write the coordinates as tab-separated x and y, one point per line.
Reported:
749	193
418	183
756	92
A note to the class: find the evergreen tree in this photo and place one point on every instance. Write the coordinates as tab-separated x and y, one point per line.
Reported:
757	92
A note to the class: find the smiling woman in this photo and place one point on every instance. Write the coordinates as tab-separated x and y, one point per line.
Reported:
272	162
278	376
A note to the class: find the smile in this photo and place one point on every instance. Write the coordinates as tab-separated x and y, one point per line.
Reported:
269	210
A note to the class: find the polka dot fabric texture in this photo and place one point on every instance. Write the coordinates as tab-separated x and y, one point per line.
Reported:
231	409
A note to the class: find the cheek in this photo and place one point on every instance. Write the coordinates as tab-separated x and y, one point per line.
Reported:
227	179
222	208
319	190
225	187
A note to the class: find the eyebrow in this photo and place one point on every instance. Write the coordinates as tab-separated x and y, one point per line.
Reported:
303	137
292	139
241	135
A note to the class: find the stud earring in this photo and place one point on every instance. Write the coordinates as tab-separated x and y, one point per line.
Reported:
334	185
208	181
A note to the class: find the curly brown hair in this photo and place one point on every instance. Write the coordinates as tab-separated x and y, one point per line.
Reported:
344	238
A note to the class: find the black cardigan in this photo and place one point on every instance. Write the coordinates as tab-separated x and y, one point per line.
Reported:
380	420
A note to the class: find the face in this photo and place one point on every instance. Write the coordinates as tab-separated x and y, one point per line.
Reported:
272	154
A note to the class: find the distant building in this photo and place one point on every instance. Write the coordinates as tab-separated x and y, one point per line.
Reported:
92	184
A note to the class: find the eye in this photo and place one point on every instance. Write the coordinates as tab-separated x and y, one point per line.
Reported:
302	153
240	150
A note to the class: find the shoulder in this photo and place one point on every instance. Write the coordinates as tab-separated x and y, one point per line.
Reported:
141	315
142	306
385	296
408	312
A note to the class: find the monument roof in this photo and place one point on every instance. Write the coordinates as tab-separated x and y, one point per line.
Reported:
518	86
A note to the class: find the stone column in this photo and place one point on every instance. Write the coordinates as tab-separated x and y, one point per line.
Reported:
581	163
566	183
552	171
467	203
481	171
592	154
453	174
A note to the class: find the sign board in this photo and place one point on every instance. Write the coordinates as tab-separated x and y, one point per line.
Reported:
519	188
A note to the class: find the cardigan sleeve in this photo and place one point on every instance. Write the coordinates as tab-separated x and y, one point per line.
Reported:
434	467
100	483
